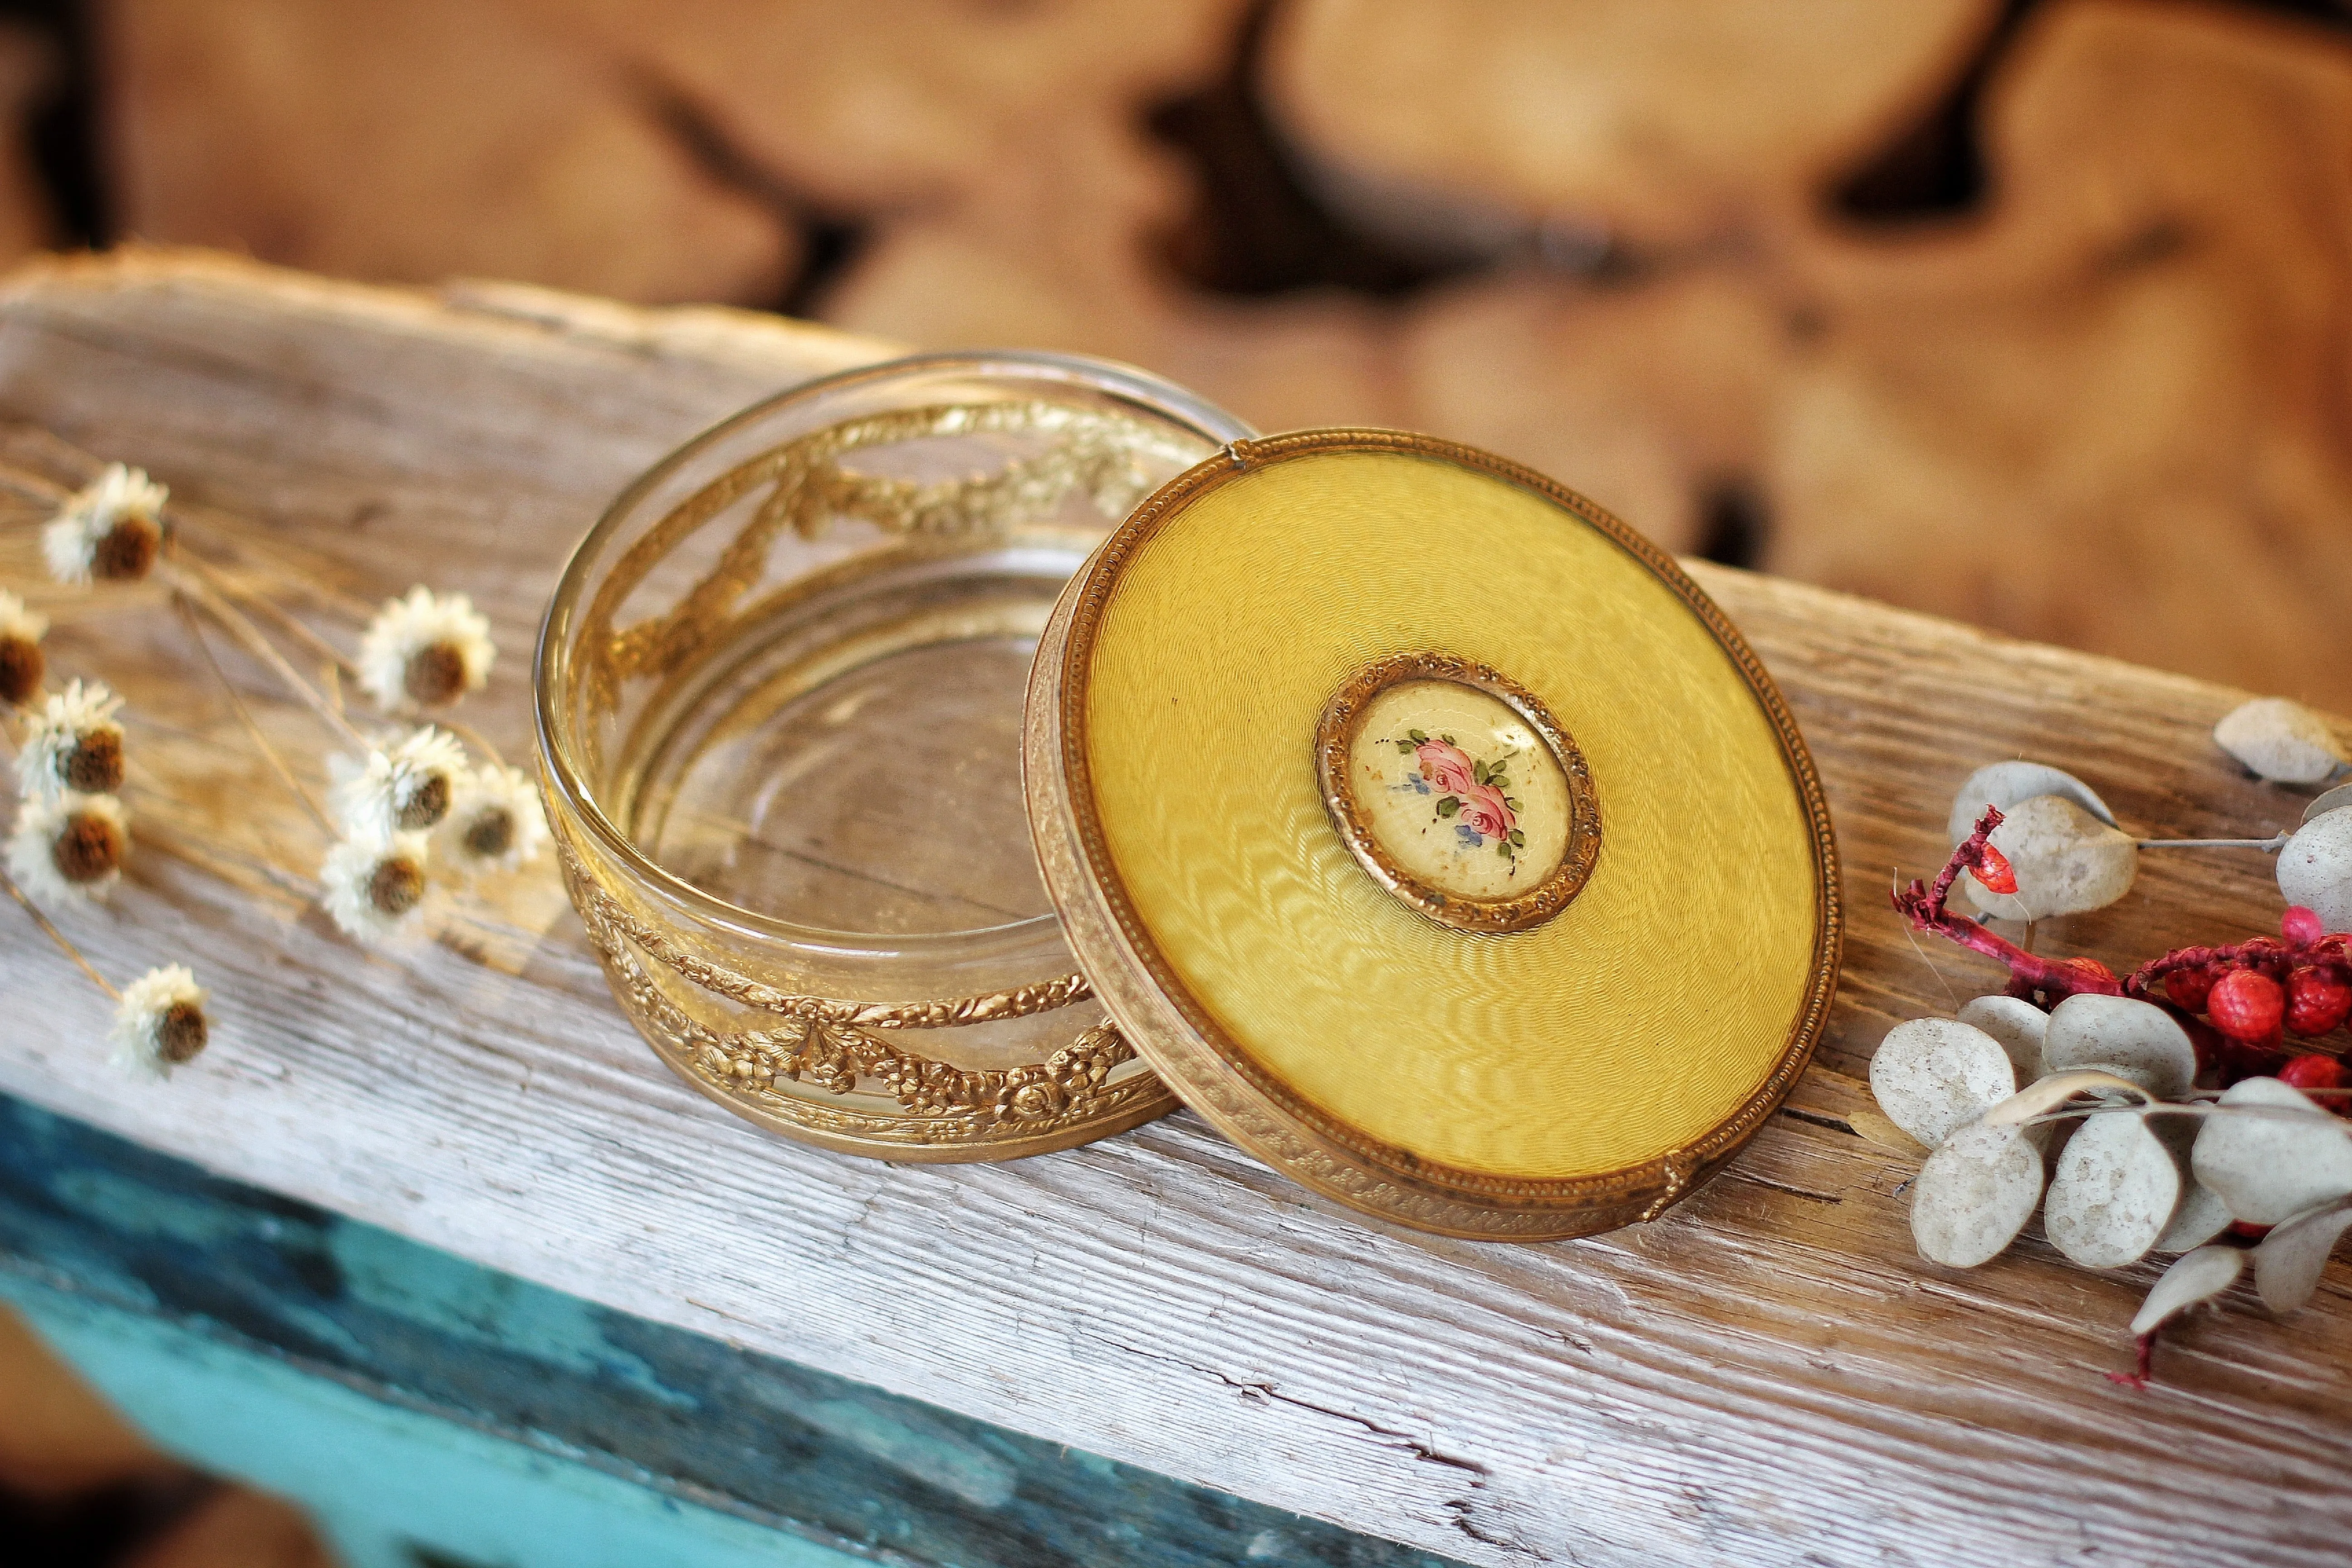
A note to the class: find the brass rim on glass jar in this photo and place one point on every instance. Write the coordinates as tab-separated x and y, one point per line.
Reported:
778	698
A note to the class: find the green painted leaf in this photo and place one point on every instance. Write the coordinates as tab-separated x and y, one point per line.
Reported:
1418	735
1518	839
1449	806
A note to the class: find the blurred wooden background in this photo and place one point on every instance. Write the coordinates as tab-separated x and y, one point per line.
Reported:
2031	312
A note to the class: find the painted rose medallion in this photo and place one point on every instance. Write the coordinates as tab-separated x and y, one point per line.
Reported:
1458	791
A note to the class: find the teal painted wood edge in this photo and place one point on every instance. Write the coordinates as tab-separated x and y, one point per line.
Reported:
389	1486
87	1214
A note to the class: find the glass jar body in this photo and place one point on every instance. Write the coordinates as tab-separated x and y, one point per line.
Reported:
779	700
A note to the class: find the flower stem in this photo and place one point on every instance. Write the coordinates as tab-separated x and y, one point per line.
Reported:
291	624
32	486
471	736
55	935
268	753
248	636
2269	845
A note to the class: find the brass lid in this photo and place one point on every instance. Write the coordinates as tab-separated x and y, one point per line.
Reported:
1432	834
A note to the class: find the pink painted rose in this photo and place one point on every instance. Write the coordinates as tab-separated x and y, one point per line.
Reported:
1446	767
1483	810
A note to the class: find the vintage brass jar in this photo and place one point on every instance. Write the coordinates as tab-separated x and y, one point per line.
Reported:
779	705
1375	795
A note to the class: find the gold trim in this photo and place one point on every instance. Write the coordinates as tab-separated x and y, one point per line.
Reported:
946	1112
1335	744
987	1007
1191	1050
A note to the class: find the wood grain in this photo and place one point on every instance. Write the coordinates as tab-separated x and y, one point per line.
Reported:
1766	1375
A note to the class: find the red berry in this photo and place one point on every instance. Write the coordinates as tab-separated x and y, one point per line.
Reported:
2248	1229
2316	1001
2301	926
2092	969
1995	872
2246	1005
2317	1071
2188	988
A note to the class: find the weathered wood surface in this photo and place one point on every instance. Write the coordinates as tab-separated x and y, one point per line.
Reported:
1765	1375
687	1439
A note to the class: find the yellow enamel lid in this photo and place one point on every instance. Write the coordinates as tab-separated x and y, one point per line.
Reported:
1432	834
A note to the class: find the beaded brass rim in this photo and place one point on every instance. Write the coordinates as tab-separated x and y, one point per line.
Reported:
1335	745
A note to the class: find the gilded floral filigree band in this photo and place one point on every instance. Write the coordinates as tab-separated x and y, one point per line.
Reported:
813	1044
698	626
1456	789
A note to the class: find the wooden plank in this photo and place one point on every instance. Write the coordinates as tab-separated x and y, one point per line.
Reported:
557	1434
1767	1374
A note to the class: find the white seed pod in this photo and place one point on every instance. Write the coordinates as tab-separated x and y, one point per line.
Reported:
1975	1193
2290	1260
2314	870
2114	1191
2047	1093
2192	1281
1931	1075
2201	1216
2066	861
2334	799
2138	1040
2004	784
2280	741
2268	1166
2018	1025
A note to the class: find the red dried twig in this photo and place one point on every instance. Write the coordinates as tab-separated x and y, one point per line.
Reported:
1923	907
2144	1367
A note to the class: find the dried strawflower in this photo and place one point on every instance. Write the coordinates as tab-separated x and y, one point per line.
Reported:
497	821
375	885
427	649
22	663
160	1022
112	529
2280	741
73	744
406	788
70	846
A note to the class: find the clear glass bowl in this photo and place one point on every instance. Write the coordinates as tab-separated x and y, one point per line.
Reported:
778	698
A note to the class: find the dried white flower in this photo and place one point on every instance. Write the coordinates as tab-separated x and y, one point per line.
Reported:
110	529
70	846
375	884
432	650
2280	741
21	660
406	788
160	1023
72	744
497	821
